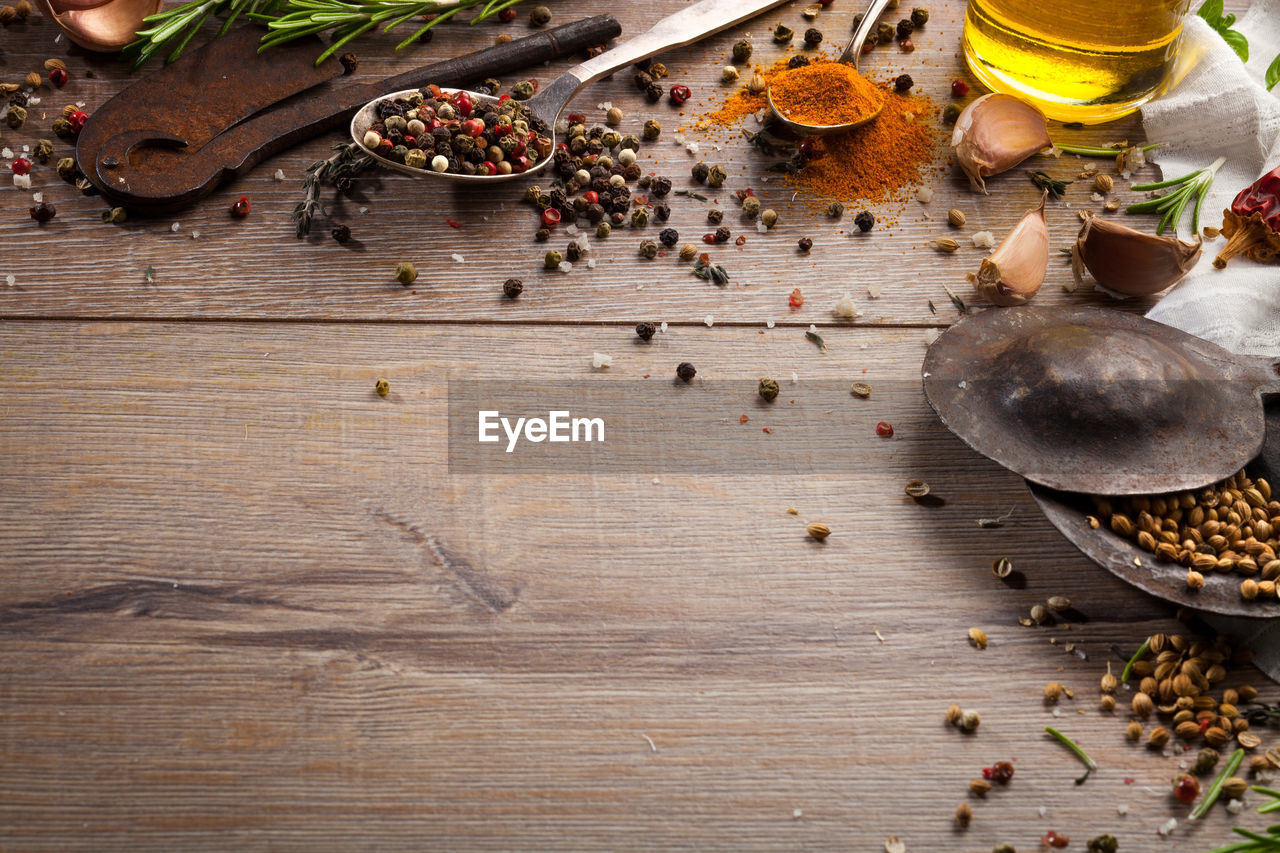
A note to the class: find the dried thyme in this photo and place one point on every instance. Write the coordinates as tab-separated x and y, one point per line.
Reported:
708	271
339	169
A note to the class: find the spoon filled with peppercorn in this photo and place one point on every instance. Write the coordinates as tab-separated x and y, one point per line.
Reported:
819	98
474	137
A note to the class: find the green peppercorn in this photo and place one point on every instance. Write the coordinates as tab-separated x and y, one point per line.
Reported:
382	386
540	16
1004	848
769	217
686	371
493	84
66	168
769	390
950	113
688	252
62	128
835	210
657	71
44	150
648	249
630	141
552	259
603	230
406	273
919	16
742	51
523	90
1105	843
512	287
715	216
884	33
782	34
611	139
114	216
750	207
716	176
16	116
652	130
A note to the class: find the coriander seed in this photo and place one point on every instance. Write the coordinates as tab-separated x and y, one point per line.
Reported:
613	117
979	787
860	389
954	713
1107	702
382	386
818	530
964	815
955	217
686	371
688	252
917	489
768	390
1103	183
978	637
1159	736
1052	691
512	287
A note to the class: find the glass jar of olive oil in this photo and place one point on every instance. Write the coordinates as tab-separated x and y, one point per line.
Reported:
1077	60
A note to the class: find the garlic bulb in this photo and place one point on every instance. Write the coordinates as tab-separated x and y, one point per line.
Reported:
1129	261
1015	270
997	132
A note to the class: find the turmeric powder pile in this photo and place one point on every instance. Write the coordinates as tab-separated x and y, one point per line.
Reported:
824	93
880	161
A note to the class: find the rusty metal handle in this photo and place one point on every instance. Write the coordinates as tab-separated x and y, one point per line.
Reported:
177	179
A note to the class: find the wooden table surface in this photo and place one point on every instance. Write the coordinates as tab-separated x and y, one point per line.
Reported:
247	605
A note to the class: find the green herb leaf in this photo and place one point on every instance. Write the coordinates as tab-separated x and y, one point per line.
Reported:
1211	796
1273	74
713	273
1089	763
1211	11
1238	43
1046	182
691	194
817	339
932	309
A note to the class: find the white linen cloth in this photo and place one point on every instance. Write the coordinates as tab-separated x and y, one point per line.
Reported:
1218	108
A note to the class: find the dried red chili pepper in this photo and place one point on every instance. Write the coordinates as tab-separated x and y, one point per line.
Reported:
1252	223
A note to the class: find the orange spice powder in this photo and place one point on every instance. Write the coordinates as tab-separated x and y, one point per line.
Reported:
824	93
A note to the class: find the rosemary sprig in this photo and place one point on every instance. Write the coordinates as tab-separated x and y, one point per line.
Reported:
1262	714
1047	182
1274	805
1194	185
344	165
691	194
1211	796
179	24
1089	763
1128	667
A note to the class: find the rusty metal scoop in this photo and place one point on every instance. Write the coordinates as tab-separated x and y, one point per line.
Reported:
1098	401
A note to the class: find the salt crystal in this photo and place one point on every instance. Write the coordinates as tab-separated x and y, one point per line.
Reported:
6	153
10	280
58	39
1168	826
364	209
1096	196
1235	807
1122	809
663	327
37	197
962	384
561	127
769	324
874	291
175	226
26	148
924	195
600	359
571	229
583	245
795	377
195	234
843	309
691	147
279	176
591	263
656	481
79	105
565	267
984	240
931	335
761	227
1057	712
679	138
22	181
31	102
709	320
605	105
458	259
1043	811
797	814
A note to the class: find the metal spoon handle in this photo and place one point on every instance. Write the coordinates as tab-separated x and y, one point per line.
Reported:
869	19
691	24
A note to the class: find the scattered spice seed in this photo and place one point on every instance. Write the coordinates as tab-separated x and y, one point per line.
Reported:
43	212
917	488
919	17
959	88
382	386
860	389
865	221
956	217
679	94
812	37
979	787
884	429
1002	568
796	299
648	249
645	331
768	390
686	371
240	207
1211	796
954	713
804	244
946	244
964	815
969	721
817	530
552	259
978	637
406	273
512	287
742	51
816	338
903	83
342	234
782	34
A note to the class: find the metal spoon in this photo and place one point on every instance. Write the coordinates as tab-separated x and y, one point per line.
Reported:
687	26
1098	401
852	50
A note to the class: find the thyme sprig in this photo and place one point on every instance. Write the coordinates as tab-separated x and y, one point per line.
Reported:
1193	185
1045	181
345	164
1089	763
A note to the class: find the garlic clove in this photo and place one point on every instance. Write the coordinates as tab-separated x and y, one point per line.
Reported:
997	132
1016	269
1131	262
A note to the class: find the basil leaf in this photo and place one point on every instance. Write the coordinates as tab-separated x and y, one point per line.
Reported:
1211	11
1273	73
1238	43
1226	21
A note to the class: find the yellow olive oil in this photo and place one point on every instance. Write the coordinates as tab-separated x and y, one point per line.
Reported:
1077	60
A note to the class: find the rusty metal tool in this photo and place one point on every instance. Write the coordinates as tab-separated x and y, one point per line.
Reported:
239	107
1098	401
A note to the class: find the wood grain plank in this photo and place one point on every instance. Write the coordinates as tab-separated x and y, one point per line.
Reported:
78	267
224	621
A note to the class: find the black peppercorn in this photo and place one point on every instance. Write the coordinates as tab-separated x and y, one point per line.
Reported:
905	29
653	93
542	235
686	371
572	252
797	61
595	213
662	211
722	234
865	221
350	62
617	217
43	212
715	216
805	244
19	99
919	17
660	187
342	234
903	83
700	172
643	80
645	331
668	237
812	37
512	287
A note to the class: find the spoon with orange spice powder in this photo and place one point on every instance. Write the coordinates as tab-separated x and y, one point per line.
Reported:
829	97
